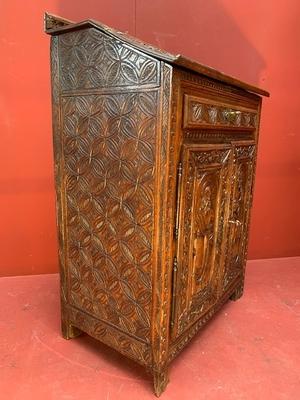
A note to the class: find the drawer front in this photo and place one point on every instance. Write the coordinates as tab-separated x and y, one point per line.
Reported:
205	113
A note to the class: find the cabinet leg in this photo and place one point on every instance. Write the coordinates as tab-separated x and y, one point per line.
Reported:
69	331
238	293
161	380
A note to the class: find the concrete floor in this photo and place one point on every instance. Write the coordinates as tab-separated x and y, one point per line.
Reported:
250	351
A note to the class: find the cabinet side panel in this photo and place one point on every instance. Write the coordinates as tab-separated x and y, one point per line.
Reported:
90	59
107	106
109	173
56	126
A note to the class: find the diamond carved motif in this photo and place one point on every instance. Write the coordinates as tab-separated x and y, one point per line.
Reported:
91	59
204	114
108	147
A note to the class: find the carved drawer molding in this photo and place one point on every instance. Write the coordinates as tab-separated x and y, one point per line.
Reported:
201	112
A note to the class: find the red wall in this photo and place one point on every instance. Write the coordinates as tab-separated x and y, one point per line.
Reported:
255	40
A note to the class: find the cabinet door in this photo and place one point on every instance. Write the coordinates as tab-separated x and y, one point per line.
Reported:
239	210
202	199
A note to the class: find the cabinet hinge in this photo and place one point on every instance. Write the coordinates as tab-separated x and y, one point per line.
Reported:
179	177
174	280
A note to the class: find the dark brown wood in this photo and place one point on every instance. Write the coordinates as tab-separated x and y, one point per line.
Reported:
56	25
154	170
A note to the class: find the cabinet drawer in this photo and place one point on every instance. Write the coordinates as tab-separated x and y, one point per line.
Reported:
205	113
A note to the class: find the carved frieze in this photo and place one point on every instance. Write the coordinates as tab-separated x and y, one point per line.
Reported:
204	113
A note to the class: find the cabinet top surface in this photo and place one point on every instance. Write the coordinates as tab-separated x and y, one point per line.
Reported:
55	25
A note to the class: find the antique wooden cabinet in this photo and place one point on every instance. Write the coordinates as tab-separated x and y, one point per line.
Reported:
154	165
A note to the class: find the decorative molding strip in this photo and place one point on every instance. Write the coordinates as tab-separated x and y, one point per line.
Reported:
205	113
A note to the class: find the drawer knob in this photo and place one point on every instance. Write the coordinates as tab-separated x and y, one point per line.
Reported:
236	222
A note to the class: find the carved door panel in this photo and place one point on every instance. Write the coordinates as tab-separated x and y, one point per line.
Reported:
202	187
240	203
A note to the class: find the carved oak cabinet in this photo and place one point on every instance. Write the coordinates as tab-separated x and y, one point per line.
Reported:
154	166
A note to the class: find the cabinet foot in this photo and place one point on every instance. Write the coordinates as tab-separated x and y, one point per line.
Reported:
160	379
69	331
238	293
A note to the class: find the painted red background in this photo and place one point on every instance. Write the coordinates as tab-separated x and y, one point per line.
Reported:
257	41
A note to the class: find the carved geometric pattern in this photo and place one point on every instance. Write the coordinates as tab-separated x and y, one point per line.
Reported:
212	114
91	59
130	347
244	151
203	113
109	174
204	183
